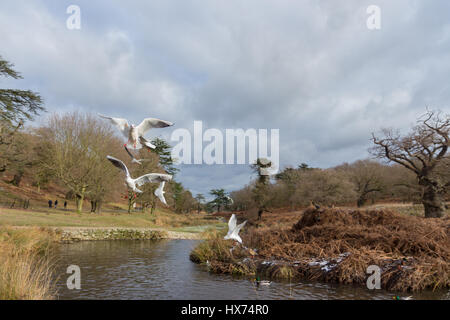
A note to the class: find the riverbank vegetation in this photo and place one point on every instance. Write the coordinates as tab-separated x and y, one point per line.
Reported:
338	245
25	263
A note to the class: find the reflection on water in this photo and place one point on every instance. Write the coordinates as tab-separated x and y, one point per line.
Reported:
162	270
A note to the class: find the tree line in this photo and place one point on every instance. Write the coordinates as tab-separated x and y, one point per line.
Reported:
414	167
69	152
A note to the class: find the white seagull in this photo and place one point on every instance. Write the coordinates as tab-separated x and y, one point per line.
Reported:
233	229
135	134
150	177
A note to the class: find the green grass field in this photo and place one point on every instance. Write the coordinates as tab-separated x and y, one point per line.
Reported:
59	218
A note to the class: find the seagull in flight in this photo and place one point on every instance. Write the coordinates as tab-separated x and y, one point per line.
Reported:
149	177
135	134
233	229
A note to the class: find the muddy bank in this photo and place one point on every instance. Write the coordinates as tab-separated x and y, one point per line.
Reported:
336	245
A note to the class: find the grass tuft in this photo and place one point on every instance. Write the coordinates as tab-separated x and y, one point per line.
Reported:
25	268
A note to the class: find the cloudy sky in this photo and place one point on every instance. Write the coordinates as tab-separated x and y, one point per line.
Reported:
310	68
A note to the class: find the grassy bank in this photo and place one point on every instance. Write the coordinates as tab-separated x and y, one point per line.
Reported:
25	268
337	245
59	218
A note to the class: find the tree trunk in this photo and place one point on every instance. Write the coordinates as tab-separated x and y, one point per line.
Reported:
152	210
130	204
432	199
17	179
361	201
93	206
98	206
80	199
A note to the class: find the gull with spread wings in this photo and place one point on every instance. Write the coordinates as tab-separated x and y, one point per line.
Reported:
233	229
146	178
135	134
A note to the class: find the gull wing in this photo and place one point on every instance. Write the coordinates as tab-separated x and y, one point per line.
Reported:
145	143
239	227
129	153
235	233
231	226
236	237
121	124
119	164
133	158
152	177
159	192
150	123
232	223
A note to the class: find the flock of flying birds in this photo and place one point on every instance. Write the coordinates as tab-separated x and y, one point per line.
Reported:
135	140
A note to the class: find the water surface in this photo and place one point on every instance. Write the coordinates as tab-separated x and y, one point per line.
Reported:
162	270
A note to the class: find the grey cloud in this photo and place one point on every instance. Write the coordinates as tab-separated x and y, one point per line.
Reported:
310	68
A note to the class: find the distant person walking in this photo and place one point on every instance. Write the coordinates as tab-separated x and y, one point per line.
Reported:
56	203
50	203
65	205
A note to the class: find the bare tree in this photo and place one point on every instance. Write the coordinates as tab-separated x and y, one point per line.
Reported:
76	147
420	151
290	179
324	187
367	176
103	182
243	198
